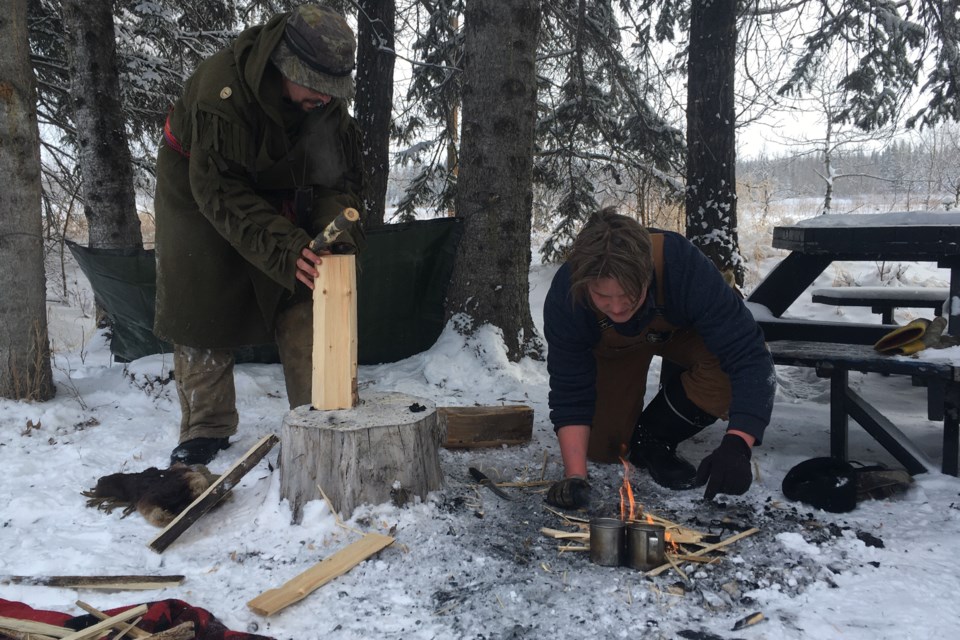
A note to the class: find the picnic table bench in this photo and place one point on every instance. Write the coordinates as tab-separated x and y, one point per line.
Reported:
835	361
884	300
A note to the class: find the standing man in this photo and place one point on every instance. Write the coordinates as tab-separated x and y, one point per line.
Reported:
258	155
625	295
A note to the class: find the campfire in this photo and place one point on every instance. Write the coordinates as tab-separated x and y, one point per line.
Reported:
639	539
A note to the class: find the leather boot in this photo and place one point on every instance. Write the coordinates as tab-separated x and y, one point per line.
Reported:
667	420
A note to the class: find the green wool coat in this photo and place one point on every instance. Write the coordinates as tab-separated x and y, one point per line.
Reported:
227	237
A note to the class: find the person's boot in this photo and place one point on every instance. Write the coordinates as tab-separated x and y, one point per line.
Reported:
667	420
198	450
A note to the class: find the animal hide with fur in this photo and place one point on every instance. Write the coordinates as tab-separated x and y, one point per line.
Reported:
159	495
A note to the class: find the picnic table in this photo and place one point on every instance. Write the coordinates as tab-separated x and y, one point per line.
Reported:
836	348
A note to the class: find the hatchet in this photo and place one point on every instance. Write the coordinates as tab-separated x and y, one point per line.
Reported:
326	238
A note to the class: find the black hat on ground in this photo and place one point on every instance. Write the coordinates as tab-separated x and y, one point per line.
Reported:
836	486
825	483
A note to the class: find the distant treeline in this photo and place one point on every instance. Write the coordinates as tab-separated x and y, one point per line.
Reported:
922	173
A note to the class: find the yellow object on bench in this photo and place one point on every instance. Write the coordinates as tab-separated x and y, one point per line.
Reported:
916	336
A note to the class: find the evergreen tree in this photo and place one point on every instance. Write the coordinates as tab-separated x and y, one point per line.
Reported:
25	372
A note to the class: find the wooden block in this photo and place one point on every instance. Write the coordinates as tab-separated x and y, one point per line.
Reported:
269	602
335	334
214	493
492	426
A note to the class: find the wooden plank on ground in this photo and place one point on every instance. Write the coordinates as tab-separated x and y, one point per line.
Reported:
488	426
214	493
24	628
115	583
269	602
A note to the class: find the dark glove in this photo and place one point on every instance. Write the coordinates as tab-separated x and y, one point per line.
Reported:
569	493
727	469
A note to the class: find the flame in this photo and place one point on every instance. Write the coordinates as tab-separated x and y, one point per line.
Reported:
627	505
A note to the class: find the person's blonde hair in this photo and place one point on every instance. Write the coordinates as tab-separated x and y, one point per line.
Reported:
614	246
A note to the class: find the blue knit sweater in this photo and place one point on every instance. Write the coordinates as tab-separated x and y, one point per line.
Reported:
695	296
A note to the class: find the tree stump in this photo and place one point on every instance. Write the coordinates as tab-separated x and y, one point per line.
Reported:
385	448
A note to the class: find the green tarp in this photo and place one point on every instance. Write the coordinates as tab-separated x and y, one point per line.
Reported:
403	276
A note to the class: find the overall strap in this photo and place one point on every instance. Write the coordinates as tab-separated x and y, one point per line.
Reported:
656	242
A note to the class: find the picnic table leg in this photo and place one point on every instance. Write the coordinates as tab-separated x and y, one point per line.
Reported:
839	422
951	429
952	305
790	278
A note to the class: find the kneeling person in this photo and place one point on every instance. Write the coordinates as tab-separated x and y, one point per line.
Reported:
625	295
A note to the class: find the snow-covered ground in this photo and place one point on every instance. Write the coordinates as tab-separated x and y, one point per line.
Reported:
465	563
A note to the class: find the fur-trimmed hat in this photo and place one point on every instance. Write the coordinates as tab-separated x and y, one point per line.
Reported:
318	51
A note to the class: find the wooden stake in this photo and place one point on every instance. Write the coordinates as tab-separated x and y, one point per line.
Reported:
335	334
214	493
115	583
269	602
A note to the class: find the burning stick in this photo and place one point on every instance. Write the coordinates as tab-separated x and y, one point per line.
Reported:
707	549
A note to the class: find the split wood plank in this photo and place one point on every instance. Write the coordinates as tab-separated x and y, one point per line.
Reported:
486	426
95	631
214	493
131	628
183	631
32	628
116	583
707	549
20	635
565	535
298	588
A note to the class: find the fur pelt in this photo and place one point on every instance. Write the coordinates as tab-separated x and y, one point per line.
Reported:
159	495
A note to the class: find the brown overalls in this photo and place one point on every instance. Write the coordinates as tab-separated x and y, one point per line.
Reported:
622	365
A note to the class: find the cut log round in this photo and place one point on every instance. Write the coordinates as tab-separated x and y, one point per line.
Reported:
385	448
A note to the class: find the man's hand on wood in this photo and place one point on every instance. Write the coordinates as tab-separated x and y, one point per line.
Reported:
307	266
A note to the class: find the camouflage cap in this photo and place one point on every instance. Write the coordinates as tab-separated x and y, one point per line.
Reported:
317	51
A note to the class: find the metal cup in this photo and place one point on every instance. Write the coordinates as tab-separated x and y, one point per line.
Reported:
606	542
645	546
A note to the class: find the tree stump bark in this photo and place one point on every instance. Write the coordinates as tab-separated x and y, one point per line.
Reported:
385	448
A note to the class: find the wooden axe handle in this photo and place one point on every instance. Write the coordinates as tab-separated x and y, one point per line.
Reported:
337	226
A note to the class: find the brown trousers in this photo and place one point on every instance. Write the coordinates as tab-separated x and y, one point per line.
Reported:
208	398
622	365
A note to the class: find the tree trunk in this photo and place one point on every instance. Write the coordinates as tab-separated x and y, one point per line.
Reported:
25	372
490	283
375	60
105	163
711	198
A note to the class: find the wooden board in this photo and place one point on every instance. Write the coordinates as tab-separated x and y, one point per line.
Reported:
214	493
115	583
489	426
335	334
269	602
